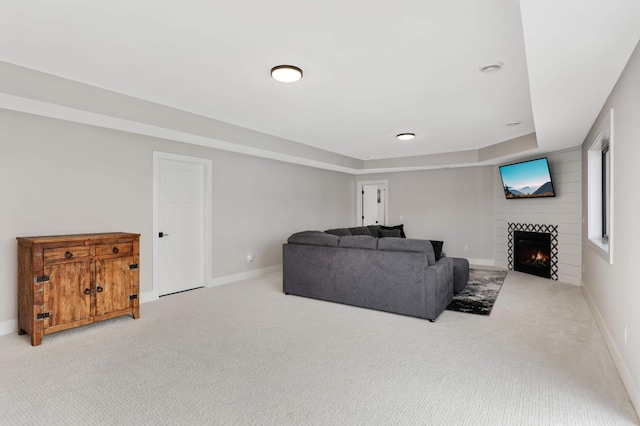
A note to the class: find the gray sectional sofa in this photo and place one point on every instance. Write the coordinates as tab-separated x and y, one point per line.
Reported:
396	275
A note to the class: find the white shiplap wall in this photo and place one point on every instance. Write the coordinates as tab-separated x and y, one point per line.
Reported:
565	210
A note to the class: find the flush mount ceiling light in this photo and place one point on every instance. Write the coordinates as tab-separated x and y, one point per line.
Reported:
406	136
286	73
493	67
513	123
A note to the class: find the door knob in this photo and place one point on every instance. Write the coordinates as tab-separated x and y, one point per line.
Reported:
162	235
99	289
87	291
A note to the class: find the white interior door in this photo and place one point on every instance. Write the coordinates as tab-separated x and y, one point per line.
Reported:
372	205
181	214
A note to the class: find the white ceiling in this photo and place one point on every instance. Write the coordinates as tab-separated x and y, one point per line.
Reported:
372	68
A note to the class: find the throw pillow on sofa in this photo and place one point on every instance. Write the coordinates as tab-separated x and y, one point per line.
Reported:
400	227
389	233
360	230
437	248
375	230
340	232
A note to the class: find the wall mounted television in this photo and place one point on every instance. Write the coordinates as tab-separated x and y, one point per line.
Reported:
528	179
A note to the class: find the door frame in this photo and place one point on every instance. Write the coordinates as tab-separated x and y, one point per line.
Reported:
359	189
207	216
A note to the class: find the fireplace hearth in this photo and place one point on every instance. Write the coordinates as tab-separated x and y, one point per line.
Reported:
532	253
533	249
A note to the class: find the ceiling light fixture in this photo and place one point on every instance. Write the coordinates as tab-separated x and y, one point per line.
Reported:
493	67
513	123
286	73
406	136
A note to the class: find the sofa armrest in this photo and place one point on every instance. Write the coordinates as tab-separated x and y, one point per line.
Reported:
439	286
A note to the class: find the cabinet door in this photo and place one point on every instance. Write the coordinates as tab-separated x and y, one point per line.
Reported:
67	296
114	284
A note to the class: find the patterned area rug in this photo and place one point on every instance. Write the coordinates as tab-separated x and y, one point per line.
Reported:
480	293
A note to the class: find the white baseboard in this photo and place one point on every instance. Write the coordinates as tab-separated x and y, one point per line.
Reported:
482	262
227	279
149	296
8	327
627	379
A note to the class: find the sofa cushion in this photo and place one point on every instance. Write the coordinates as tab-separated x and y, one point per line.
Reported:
359	241
400	227
375	230
340	232
408	244
360	230
386	233
437	248
314	238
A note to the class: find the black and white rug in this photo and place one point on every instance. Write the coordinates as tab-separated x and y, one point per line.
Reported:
480	293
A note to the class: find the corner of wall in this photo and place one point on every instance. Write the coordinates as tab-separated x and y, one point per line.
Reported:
8	327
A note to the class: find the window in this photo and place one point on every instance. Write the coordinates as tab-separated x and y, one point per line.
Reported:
605	193
600	191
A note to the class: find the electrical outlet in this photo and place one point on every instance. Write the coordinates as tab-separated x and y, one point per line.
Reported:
625	334
401	218
249	257
466	248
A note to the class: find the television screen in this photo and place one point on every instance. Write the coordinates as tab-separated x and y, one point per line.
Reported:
529	179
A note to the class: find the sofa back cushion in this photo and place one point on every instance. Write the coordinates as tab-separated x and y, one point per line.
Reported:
340	232
408	244
314	238
359	241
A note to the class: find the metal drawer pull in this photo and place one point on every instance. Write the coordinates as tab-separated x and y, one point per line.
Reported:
68	255
116	250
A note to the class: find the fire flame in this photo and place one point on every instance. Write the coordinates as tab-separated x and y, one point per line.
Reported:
539	257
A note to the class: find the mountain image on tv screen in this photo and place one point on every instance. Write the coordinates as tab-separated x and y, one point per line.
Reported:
529	179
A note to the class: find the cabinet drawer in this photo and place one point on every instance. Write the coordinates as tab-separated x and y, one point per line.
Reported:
112	249
66	253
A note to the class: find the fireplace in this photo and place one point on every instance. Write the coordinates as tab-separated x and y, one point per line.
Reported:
532	253
535	251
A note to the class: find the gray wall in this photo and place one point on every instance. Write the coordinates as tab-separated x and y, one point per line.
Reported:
564	210
58	177
453	205
615	289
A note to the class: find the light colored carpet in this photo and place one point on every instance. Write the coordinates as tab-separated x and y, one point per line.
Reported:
246	354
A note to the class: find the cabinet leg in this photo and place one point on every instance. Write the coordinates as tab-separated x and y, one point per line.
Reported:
136	313
36	339
21	332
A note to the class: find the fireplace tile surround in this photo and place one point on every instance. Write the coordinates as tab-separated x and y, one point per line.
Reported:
552	230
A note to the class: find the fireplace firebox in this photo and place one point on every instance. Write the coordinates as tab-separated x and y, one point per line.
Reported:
532	253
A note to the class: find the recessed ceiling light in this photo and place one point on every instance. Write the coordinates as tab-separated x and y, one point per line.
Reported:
513	123
406	136
493	67
286	73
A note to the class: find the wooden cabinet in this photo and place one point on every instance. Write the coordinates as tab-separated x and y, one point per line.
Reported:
66	281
